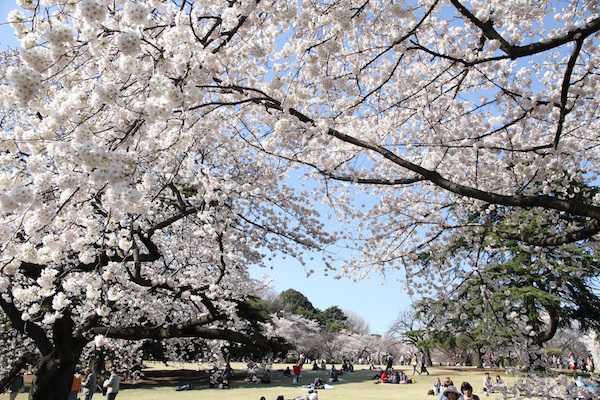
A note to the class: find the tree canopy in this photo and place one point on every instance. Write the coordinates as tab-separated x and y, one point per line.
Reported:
151	151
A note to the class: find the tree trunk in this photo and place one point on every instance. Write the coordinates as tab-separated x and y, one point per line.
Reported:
53	378
428	361
479	358
55	371
534	358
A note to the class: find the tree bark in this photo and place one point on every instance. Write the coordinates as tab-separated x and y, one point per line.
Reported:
54	377
534	358
479	358
428	361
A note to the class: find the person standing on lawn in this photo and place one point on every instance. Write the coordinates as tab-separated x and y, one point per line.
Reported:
89	384
75	386
414	363
390	362
16	386
112	385
296	371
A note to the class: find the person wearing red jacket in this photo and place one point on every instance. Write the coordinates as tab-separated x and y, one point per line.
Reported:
383	377
296	370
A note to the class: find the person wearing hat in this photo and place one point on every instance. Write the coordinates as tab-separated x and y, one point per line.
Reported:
451	393
447	382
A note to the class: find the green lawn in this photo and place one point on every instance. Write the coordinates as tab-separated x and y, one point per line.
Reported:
357	385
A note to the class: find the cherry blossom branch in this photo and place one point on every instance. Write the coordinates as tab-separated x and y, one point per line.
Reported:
570	237
193	329
525	201
403	37
231	33
572	206
513	51
342	178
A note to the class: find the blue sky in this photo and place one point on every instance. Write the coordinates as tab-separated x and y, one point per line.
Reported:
7	38
378	299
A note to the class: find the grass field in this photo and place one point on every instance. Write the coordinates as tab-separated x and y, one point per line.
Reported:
357	385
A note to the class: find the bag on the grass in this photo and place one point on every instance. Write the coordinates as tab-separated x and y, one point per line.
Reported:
183	387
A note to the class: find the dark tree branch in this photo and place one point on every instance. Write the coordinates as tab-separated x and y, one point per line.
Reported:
30	329
231	33
513	51
192	329
564	92
343	178
571	206
403	37
486	27
570	237
549	333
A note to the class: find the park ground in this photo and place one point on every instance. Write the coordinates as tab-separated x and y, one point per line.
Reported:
357	385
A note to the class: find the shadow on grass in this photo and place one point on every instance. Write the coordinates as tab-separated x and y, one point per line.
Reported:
199	379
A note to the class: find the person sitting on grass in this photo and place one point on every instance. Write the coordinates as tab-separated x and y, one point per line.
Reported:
333	374
312	395
318	383
377	374
467	391
403	378
451	393
266	377
446	384
287	371
437	386
383	378
488	384
499	382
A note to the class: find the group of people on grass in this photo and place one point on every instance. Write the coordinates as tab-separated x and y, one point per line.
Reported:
296	371
347	366
312	395
388	375
447	390
87	385
417	360
585	364
394	377
219	379
258	373
83	386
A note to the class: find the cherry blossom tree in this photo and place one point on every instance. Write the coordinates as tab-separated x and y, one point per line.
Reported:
302	333
147	147
128	212
356	323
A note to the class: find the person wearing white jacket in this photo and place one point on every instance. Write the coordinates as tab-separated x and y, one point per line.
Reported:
112	385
